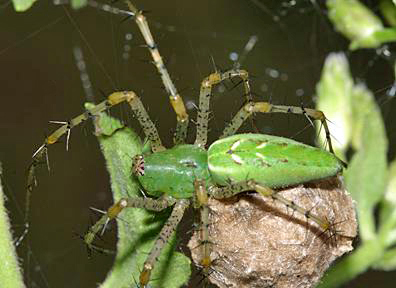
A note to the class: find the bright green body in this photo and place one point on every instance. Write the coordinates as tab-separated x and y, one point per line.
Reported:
173	171
269	160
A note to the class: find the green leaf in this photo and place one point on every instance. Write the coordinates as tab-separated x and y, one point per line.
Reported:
22	5
77	4
356	22
387	221
367	173
334	93
365	178
388	9
354	264
138	228
388	261
10	273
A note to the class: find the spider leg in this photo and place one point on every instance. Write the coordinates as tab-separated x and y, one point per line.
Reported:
174	97
145	122
265	107
201	202
204	98
115	210
250	185
166	232
113	99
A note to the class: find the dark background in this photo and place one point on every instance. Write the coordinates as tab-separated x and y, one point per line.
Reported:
40	82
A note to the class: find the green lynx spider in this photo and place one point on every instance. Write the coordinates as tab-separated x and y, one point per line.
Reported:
233	164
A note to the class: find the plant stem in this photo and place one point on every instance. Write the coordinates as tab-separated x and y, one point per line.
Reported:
10	273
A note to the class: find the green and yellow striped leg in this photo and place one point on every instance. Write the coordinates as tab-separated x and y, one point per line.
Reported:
166	232
204	99
113	99
234	188
264	107
115	210
174	97
201	202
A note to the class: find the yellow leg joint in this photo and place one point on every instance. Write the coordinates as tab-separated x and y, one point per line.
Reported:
145	276
118	97
180	109
262	107
206	261
51	139
116	208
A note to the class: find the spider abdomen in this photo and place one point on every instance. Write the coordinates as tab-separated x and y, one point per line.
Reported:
270	160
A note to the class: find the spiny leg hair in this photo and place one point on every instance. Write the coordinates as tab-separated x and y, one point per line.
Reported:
201	201
113	99
115	210
204	99
264	107
166	232
174	97
250	185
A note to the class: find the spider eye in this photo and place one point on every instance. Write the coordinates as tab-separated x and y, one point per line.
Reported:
138	165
